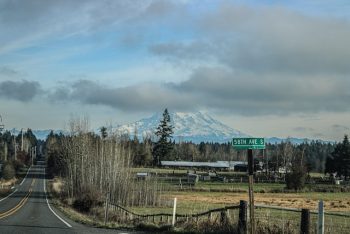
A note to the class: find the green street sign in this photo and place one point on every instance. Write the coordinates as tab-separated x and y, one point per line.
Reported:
248	143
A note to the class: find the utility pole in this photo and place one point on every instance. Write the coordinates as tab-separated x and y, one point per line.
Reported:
3	143
32	154
22	139
2	126
14	146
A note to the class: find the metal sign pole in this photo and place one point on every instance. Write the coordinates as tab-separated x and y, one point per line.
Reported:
250	144
251	190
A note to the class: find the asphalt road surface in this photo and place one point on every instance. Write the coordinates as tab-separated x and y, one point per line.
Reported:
27	210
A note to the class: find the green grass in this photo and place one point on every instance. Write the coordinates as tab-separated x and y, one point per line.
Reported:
206	186
183	207
258	187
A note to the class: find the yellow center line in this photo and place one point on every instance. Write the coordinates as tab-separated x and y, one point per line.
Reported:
19	205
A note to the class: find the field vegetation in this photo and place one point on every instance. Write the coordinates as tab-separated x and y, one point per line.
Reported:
95	174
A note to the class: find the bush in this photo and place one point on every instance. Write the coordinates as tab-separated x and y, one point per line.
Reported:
18	165
9	171
273	228
221	224
296	179
23	157
87	198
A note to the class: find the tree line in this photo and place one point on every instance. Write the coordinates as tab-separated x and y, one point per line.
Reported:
16	151
312	155
97	167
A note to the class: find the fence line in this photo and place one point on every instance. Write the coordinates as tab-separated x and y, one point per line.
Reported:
289	219
299	210
177	215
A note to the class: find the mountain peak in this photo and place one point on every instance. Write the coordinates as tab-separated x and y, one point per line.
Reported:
188	126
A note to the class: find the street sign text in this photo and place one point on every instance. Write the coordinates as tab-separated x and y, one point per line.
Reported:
248	143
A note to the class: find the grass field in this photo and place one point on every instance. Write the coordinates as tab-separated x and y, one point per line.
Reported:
208	194
194	201
239	187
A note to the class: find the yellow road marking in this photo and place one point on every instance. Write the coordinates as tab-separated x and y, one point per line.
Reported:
19	205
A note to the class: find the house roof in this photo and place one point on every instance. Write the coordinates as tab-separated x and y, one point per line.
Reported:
217	164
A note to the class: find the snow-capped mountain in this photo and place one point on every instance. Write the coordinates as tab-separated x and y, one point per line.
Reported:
195	127
42	134
38	133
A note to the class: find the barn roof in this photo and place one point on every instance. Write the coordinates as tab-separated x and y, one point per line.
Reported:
217	164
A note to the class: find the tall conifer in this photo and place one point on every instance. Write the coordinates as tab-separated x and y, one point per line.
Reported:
163	146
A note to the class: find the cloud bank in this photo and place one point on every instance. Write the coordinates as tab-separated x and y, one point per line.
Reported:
247	60
219	89
23	91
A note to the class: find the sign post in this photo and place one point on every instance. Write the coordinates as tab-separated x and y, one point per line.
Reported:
249	144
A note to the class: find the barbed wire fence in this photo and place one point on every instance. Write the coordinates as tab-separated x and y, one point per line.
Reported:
269	219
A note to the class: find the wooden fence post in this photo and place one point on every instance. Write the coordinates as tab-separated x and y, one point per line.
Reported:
305	221
320	228
223	217
242	222
174	212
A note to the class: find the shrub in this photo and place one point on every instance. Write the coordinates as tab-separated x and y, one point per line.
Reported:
23	157
296	179
222	224
87	198
273	228
17	165
9	171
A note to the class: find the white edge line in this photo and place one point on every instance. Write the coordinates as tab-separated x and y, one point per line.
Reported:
16	189
25	176
8	195
47	201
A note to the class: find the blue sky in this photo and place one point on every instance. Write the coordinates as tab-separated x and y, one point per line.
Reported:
267	68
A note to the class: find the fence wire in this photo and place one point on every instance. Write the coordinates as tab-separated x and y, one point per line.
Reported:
268	219
285	220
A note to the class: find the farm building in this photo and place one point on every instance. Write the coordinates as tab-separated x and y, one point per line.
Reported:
218	165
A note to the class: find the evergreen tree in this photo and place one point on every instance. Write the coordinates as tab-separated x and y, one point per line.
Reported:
104	133
31	137
164	146
339	160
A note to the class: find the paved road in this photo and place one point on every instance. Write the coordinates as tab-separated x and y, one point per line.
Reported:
27	210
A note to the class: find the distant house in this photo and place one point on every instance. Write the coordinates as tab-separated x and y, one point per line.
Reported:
143	175
218	165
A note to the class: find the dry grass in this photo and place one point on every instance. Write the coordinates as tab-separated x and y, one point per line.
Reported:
57	185
333	202
7	183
